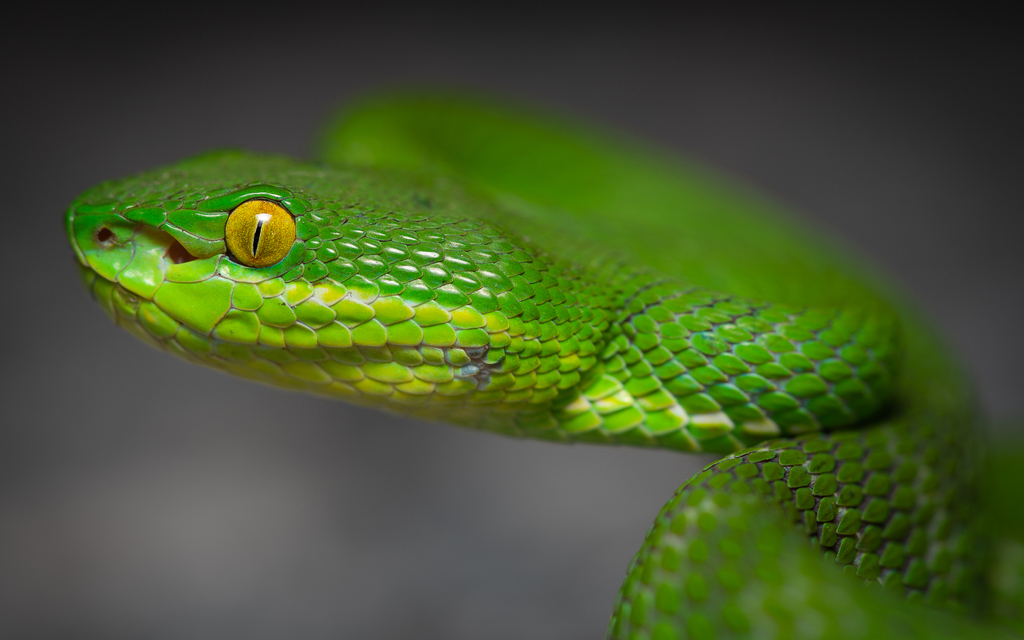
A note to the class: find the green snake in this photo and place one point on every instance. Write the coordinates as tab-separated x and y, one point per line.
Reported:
459	260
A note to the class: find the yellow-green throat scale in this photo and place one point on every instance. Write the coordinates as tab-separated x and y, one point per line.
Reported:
459	261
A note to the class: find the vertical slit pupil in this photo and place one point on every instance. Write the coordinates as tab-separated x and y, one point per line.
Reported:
256	234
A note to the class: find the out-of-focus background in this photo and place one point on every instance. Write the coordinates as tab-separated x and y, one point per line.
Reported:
143	497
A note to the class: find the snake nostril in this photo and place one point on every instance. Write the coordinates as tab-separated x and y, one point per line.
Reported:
178	254
104	236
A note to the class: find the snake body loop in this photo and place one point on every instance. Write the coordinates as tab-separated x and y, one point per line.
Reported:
460	261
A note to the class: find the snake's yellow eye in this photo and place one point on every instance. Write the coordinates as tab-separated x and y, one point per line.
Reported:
260	233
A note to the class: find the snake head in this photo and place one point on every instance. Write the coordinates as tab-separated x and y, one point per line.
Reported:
391	290
406	292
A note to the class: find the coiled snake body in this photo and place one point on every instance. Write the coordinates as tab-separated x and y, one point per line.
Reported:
460	261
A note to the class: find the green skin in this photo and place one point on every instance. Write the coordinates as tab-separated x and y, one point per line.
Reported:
459	261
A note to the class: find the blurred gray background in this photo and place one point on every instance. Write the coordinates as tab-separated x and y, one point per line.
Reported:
142	497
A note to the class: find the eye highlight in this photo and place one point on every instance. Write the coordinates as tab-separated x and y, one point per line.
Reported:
260	233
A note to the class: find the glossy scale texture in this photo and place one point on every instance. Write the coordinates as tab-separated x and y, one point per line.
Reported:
462	262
